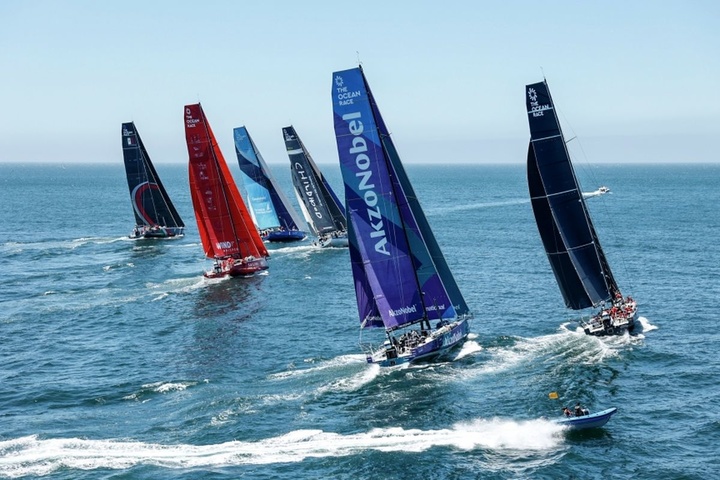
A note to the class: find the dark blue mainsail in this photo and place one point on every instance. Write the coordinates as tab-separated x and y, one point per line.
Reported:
393	266
151	203
562	217
318	202
268	204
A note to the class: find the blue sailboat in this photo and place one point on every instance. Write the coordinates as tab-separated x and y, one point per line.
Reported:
566	229
320	206
274	216
155	214
402	281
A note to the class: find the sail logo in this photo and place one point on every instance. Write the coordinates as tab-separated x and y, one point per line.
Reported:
189	120
403	311
452	338
309	189
362	162
535	107
224	245
343	95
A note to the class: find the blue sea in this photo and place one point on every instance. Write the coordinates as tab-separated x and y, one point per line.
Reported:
118	360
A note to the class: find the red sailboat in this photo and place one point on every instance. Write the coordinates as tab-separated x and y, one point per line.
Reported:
226	229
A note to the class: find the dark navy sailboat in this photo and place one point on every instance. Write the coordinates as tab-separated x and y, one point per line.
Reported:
320	206
402	281
567	232
271	210
155	214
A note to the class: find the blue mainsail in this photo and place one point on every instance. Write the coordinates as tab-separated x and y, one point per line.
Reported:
567	232
394	270
268	204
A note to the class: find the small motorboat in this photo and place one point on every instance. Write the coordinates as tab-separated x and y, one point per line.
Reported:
592	420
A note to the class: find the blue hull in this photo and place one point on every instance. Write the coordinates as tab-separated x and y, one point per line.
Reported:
436	344
285	236
594	420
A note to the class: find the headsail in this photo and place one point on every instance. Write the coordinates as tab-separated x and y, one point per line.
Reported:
269	205
563	220
225	226
319	203
394	269
151	203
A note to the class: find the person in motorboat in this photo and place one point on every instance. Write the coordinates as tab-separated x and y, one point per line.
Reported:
580	411
567	412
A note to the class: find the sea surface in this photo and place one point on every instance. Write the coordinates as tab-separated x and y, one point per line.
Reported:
118	360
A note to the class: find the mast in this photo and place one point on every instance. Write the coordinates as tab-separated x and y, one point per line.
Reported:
150	201
560	189
223	219
308	185
395	263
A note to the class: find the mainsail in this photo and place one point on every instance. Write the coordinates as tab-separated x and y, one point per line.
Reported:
225	226
268	204
401	276
563	220
151	204
319	204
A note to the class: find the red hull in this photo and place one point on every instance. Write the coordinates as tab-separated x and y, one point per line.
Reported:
237	268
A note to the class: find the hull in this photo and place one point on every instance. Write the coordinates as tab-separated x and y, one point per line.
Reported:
336	240
237	267
282	236
158	232
614	321
413	346
594	420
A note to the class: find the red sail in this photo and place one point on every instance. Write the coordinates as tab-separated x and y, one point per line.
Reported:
225	226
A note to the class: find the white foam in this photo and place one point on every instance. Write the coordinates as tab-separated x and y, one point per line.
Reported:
468	348
165	387
30	455
354	382
646	325
336	362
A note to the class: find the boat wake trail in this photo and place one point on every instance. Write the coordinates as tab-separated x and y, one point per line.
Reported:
34	456
475	206
340	374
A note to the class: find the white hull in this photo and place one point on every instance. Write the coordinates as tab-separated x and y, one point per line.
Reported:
613	321
338	240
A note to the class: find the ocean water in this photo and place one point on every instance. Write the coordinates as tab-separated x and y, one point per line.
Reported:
118	360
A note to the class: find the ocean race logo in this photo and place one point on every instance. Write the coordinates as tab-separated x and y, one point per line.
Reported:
535	107
345	97
358	149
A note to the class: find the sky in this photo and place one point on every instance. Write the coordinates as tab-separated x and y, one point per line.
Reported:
635	81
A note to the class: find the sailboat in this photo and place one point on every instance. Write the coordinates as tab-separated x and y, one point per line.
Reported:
319	204
227	232
271	210
155	214
402	280
566	229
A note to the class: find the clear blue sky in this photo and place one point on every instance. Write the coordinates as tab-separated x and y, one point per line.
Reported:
637	81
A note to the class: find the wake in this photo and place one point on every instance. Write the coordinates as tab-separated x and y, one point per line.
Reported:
34	456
